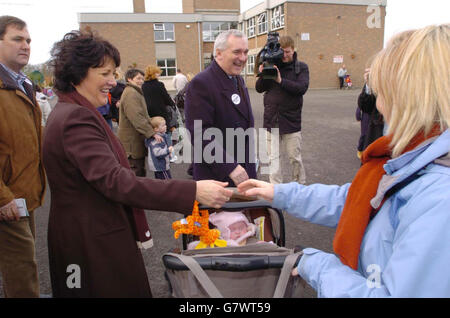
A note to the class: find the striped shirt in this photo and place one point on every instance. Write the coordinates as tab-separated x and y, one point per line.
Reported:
18	78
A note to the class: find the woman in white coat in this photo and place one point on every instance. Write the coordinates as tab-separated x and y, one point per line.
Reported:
44	105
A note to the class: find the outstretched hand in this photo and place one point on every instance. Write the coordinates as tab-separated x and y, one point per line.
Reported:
261	189
212	193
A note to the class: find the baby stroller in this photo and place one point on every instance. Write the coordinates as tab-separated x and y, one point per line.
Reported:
255	270
348	82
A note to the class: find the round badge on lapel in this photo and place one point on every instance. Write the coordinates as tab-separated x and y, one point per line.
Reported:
236	99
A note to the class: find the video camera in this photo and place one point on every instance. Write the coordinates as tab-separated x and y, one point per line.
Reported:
271	55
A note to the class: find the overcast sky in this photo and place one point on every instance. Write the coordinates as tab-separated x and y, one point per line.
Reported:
49	20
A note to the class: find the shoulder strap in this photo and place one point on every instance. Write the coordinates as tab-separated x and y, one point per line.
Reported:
285	273
443	161
402	184
200	274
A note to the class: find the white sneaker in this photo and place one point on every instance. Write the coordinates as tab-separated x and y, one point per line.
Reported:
173	159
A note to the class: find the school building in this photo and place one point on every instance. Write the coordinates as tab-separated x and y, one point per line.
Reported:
327	33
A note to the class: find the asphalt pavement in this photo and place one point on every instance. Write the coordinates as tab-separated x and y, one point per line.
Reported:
330	134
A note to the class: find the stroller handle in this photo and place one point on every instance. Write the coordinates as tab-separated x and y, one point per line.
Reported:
235	263
239	202
239	205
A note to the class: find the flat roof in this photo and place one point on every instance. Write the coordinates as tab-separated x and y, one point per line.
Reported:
86	17
153	17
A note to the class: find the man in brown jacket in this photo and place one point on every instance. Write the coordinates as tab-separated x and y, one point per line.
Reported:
21	171
134	122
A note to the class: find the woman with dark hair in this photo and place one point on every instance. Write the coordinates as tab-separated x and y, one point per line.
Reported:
134	125
96	214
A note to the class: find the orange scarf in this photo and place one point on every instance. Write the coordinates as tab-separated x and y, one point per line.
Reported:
357	209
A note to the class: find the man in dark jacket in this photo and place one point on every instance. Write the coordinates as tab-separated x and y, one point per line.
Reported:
217	103
283	101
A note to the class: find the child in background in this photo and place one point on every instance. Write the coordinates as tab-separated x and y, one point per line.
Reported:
159	152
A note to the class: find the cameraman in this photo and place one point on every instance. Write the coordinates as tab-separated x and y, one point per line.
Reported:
283	101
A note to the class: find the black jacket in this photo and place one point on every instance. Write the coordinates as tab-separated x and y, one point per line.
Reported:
157	98
283	102
367	103
116	93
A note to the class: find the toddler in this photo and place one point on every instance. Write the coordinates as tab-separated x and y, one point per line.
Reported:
159	152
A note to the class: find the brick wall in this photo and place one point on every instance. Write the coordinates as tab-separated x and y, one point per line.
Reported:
139	6
188	55
217	5
329	36
188	6
134	41
348	35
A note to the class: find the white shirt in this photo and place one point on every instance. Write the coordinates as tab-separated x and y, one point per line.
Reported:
179	81
45	107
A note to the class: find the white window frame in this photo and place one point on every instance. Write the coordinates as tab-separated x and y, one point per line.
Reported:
277	18
251	30
241	27
262	23
210	35
207	60
251	64
165	69
158	27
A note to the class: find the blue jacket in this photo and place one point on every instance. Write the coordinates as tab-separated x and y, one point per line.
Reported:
405	251
158	153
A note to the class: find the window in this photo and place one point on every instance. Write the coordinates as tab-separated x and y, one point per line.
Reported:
167	66
262	23
241	27
277	18
207	59
164	32
251	27
212	29
251	64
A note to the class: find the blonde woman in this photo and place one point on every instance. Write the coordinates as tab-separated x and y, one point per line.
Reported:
393	219
156	96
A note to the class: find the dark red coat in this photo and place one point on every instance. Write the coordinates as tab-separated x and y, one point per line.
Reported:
209	99
90	195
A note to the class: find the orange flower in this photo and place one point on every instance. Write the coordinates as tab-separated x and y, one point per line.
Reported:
198	224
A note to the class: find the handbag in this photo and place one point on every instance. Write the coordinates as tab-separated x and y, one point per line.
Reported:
172	115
